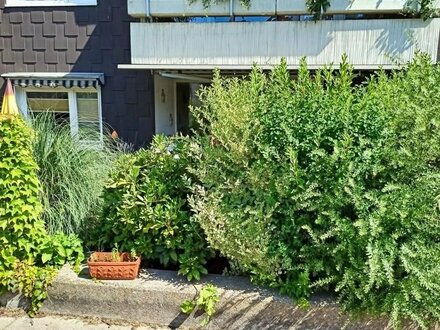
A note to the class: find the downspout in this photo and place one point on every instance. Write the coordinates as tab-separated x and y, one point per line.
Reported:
231	11
148	9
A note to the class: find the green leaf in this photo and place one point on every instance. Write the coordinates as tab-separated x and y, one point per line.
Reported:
45	257
173	255
187	306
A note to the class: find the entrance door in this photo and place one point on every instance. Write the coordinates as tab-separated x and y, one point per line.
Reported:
164	105
183	97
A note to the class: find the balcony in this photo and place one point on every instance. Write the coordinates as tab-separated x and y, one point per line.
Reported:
179	8
234	46
369	43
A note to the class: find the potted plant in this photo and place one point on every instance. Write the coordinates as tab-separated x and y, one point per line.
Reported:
114	265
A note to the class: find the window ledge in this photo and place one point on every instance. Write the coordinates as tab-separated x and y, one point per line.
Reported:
49	3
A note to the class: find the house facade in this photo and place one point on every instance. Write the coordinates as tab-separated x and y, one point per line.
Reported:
183	52
135	65
62	56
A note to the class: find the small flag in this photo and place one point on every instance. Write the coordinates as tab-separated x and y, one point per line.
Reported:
9	105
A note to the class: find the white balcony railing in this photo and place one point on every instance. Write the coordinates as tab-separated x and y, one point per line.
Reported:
179	8
368	43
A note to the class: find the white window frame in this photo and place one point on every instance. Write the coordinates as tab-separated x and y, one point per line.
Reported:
49	3
20	94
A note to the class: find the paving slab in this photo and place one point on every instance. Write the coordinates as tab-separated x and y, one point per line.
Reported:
60	323
17	319
5	322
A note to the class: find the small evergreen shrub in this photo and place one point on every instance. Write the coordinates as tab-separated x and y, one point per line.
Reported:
146	208
314	183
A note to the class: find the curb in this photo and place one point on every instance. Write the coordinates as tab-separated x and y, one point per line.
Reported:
11	300
155	298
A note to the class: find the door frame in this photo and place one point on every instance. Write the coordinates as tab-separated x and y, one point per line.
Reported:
179	81
175	79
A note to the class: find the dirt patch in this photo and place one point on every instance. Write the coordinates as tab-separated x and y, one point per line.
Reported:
7	312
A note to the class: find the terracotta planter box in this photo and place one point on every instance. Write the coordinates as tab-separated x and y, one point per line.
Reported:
103	267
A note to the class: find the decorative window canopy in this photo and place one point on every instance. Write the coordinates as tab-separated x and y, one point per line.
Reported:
45	79
49	3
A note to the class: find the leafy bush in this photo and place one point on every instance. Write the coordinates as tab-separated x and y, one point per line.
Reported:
61	249
21	229
23	265
30	280
71	172
146	208
205	302
315	183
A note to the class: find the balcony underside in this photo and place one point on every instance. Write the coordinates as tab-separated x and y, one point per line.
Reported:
368	43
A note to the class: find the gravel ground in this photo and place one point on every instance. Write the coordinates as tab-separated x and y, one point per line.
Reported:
18	320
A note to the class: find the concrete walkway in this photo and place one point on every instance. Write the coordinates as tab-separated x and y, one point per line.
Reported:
18	321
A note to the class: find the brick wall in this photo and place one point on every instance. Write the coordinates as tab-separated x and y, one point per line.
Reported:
82	39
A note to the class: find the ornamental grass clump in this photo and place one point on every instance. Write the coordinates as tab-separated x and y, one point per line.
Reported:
72	173
315	183
146	208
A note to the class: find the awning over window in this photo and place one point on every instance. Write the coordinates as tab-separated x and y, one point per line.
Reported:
45	79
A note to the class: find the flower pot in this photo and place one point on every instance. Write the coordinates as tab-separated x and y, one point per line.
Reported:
104	266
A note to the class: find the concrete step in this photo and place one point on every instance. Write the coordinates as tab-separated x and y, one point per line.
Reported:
155	298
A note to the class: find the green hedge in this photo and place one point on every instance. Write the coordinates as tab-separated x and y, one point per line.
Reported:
314	183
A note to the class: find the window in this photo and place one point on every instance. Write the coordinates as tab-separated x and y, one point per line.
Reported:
88	113
56	103
49	3
80	108
74	99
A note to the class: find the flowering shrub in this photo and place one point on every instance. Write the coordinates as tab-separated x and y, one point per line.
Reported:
146	208
315	183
